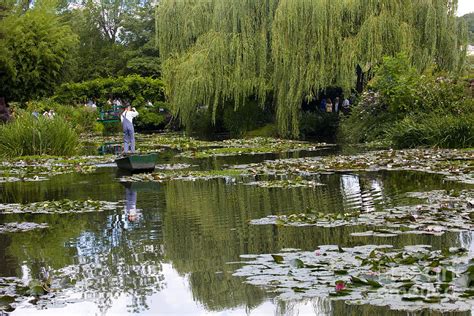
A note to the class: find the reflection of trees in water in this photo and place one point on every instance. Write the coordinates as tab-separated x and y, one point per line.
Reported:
204	228
46	248
107	256
123	259
117	262
206	225
220	291
367	190
71	186
309	238
399	182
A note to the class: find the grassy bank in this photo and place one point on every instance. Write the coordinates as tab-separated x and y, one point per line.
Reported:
27	135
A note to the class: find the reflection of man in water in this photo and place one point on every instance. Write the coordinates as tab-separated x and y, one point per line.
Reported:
131	204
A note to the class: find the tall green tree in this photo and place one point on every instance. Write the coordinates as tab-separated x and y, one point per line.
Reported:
36	50
115	38
286	51
469	19
138	35
96	56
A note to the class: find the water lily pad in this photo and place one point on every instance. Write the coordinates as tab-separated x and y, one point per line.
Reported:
425	160
278	259
432	218
403	280
296	263
20	227
59	207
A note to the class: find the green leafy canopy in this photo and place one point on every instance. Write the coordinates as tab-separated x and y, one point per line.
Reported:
286	51
37	55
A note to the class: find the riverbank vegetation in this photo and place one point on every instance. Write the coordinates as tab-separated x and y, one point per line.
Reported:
404	108
233	77
28	135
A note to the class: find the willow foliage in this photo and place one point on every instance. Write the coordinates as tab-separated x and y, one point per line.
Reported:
218	51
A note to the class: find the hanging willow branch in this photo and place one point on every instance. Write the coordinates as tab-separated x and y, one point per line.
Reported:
220	51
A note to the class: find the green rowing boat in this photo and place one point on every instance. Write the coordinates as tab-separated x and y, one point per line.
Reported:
137	162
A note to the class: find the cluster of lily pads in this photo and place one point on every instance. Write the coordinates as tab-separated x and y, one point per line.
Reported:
173	141
11	290
252	146
287	173
194	148
22	178
183	175
41	168
440	213
411	278
176	166
59	207
286	183
233	176
20	227
154	141
454	164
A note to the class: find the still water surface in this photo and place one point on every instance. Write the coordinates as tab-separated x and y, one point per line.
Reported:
174	257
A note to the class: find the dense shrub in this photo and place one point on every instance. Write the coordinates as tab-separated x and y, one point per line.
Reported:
27	135
405	109
153	118
36	51
367	122
83	119
319	125
134	89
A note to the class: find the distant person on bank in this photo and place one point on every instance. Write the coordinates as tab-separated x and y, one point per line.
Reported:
126	118
346	104
336	105
328	106
322	106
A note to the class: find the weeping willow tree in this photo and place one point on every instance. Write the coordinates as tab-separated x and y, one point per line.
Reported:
218	52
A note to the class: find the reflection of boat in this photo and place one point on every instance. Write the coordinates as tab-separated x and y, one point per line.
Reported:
110	148
142	186
137	162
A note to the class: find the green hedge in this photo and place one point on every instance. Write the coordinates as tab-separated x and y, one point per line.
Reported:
133	88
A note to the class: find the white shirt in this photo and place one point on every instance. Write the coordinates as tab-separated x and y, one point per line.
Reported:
129	115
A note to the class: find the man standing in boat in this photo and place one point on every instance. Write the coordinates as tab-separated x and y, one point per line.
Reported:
126	118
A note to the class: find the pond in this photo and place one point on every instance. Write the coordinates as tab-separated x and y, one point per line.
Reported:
177	253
